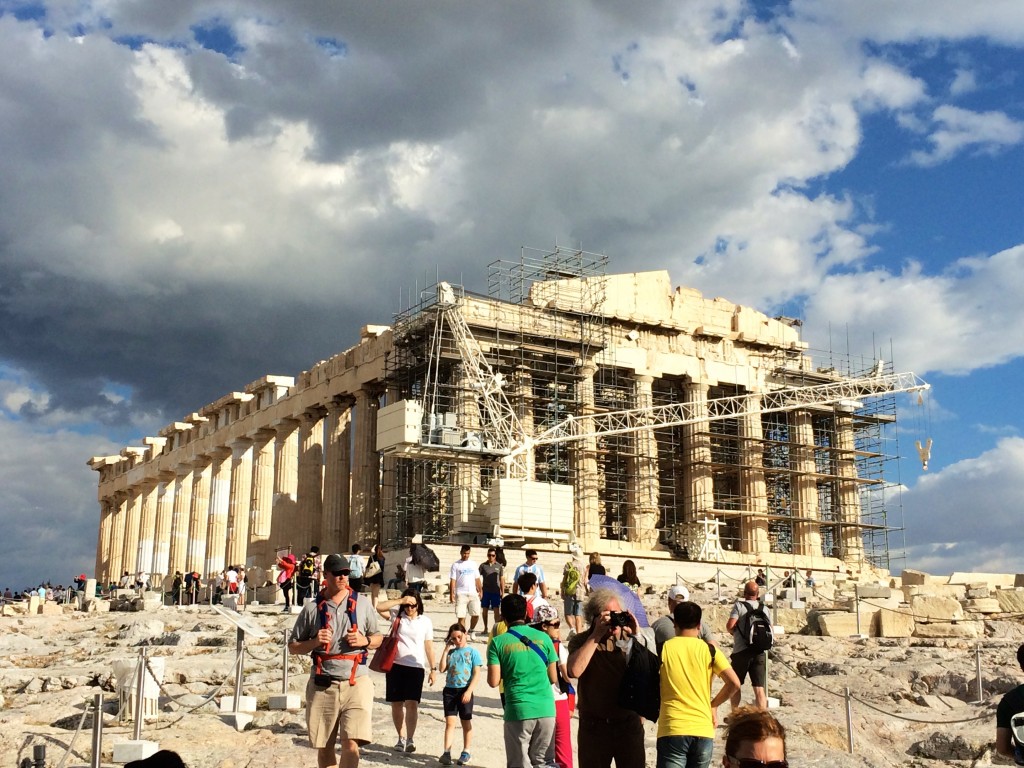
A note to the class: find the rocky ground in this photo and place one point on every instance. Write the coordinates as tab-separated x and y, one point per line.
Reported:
913	701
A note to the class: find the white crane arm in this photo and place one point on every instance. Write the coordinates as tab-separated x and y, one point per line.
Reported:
680	414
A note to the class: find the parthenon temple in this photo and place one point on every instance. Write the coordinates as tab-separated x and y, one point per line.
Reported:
565	405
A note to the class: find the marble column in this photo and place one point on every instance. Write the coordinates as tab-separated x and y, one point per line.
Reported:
586	477
700	499
309	497
130	542
466	492
116	544
387	522
239	502
643	480
753	492
283	531
217	518
335	531
848	492
147	528
260	551
178	553
365	468
162	539
198	515
806	532
103	540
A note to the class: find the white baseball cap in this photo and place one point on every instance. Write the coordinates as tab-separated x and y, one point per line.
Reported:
679	593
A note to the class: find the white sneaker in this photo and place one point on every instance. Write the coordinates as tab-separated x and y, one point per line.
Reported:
400	746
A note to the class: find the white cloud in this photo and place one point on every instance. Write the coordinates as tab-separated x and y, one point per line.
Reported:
48	498
964	81
959	130
984	489
955	321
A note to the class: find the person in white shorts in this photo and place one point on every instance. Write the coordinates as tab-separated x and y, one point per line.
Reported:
465	588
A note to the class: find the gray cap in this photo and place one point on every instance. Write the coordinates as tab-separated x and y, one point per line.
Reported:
335	562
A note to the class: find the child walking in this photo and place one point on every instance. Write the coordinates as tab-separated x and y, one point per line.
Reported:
463	664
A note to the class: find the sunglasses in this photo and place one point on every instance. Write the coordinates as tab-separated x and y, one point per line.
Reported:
342	572
553	623
750	762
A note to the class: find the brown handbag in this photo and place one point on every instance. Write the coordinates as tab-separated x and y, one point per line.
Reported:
384	656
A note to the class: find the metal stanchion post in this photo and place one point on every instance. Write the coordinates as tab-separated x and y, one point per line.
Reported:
97	729
284	664
977	666
856	607
38	756
140	685
849	721
718	579
241	659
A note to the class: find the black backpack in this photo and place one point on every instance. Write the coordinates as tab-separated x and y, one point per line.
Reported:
756	628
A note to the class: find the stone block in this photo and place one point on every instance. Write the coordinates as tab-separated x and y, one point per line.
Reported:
841	624
34	603
1010	600
96	605
895	624
910	577
1018	580
230	602
978	593
50	609
928	608
992	580
287	701
942	629
873	591
127	751
982	605
245	704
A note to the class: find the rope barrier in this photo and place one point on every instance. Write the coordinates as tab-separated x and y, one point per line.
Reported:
78	730
206	701
869	705
190	710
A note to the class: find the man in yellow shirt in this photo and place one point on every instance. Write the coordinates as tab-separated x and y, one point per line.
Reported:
686	722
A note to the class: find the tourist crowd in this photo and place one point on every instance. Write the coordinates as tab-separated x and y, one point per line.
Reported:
612	673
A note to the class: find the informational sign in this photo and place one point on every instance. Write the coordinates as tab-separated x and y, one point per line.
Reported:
244	623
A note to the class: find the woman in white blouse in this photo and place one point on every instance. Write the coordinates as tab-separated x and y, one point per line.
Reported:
413	661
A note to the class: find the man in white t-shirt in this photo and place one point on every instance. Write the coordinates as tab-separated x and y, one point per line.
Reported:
466	588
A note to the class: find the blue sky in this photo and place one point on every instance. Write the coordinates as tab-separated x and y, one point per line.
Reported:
195	194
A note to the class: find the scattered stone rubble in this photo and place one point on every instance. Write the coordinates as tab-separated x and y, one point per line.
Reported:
911	675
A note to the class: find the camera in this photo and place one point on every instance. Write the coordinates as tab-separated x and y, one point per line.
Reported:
619	619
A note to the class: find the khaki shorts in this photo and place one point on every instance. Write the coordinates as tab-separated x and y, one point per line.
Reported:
467	604
341	710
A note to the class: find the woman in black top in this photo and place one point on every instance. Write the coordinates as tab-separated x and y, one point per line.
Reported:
594	568
628	575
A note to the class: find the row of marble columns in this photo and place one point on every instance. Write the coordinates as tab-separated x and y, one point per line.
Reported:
696	485
311	480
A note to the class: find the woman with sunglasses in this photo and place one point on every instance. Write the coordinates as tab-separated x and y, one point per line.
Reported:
754	739
404	682
545	618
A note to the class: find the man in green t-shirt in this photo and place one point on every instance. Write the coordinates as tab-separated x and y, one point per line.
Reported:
524	659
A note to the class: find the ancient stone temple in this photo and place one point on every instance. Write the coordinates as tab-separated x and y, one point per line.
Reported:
567	405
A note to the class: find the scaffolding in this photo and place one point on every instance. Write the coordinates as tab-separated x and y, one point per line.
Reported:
810	482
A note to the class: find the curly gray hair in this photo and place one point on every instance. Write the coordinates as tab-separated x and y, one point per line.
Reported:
597	603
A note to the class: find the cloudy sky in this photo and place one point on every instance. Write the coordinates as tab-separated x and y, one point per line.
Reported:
194	194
